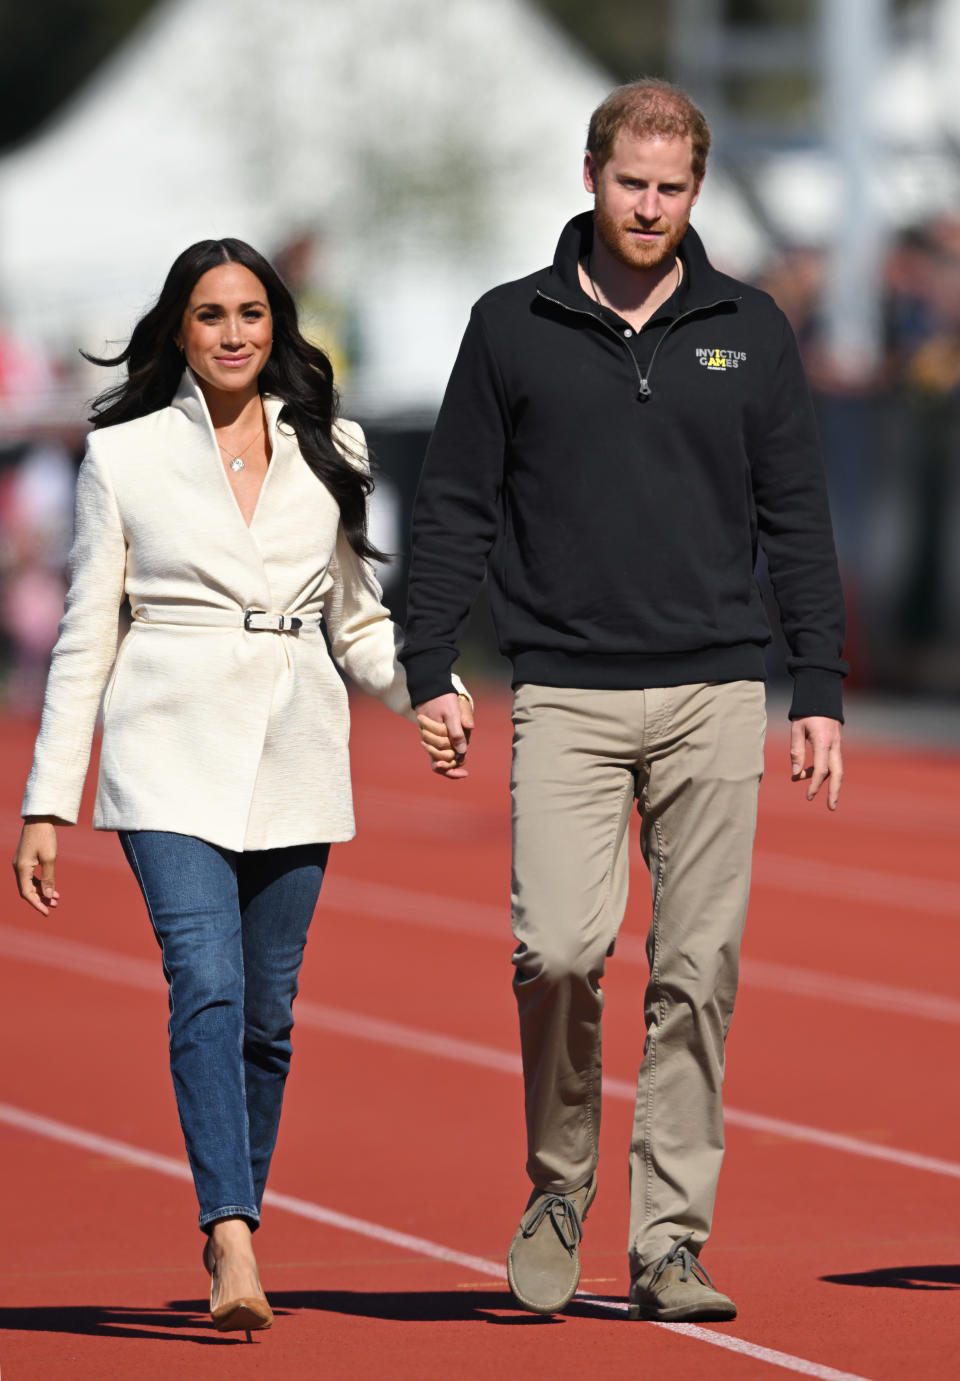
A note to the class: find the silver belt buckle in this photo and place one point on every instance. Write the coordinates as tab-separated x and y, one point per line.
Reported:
281	623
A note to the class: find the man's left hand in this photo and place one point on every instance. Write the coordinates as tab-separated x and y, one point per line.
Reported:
446	723
816	757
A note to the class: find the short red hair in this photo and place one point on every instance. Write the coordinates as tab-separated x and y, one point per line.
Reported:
649	108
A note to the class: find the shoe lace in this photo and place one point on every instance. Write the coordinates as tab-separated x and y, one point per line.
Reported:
679	1255
563	1216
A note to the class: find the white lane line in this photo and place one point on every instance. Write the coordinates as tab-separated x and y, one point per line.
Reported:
764	1354
178	1169
390	903
487	1057
929	814
817	1136
800	877
835	1141
92	1141
828	987
761	1354
840	880
381	808
418	1246
74	956
853	992
479	918
387	808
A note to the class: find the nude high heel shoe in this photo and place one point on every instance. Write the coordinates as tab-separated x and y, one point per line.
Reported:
247	1313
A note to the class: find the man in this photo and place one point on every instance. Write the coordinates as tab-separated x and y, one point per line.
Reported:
618	432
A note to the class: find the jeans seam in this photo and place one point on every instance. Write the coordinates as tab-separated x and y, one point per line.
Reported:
135	865
243	1042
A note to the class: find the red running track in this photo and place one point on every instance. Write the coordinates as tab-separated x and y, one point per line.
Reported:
399	1174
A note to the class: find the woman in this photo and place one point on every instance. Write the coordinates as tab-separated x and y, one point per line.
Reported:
220	495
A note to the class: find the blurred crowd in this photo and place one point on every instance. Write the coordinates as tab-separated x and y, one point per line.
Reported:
892	450
36	517
891	444
37	472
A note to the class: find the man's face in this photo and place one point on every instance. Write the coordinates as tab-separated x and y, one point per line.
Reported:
643	197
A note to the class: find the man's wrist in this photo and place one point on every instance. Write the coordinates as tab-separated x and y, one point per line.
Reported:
817	693
429	675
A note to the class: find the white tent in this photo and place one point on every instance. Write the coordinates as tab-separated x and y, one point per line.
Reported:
435	144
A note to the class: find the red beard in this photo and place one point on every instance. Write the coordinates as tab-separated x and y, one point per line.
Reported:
634	253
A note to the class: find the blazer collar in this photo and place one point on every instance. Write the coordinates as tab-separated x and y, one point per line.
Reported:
189	400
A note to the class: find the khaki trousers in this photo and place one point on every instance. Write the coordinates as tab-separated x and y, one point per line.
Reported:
692	757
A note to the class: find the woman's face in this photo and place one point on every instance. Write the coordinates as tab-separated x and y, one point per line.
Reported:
227	330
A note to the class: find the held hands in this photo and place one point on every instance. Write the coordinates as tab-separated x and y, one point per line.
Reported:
446	723
815	756
37	849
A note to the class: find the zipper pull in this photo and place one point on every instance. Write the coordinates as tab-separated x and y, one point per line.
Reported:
645	391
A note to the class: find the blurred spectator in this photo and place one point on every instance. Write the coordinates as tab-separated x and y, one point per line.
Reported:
327	318
795	281
36	512
26	376
846	407
926	620
892	445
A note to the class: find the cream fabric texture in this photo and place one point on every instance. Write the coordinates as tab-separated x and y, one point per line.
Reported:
239	738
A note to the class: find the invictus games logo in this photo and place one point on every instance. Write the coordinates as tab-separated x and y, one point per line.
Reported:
721	359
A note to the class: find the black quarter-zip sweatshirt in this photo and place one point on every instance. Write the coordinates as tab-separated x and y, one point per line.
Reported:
616	484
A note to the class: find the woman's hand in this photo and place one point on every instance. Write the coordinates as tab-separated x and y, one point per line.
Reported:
445	727
37	850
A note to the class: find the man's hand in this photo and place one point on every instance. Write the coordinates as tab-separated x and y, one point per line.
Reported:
816	757
37	849
446	723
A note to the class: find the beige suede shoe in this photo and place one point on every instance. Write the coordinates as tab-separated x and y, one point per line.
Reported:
543	1264
677	1288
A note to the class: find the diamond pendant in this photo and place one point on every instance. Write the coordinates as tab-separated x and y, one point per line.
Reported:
236	463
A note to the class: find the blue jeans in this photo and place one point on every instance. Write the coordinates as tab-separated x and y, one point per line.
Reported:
231	929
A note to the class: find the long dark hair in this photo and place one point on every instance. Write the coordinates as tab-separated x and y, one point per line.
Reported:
297	372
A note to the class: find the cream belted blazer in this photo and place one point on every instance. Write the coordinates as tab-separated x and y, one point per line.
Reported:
238	737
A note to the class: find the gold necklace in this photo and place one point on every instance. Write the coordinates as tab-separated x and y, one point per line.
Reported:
600	302
236	461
